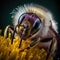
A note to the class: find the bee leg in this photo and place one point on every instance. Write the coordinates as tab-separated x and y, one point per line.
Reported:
38	43
49	51
41	42
52	48
8	29
13	36
54	33
57	41
34	42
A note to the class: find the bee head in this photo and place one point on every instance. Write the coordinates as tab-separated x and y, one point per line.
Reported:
29	21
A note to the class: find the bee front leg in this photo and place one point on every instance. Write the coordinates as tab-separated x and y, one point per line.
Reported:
8	29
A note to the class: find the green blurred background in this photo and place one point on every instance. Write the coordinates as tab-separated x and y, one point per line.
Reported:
6	7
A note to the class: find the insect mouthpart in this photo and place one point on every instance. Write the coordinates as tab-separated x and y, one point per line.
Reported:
23	32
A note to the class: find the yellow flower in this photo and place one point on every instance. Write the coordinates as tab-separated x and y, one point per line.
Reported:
10	51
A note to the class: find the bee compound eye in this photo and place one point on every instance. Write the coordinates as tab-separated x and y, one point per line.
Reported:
36	26
21	18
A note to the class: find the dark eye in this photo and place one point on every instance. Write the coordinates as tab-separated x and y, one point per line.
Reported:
36	25
21	18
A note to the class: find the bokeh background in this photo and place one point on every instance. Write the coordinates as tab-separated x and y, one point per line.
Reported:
6	7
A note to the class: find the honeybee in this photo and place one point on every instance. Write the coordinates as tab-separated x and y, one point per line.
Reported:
35	22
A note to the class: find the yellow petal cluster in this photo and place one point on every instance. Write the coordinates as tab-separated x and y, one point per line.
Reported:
10	51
